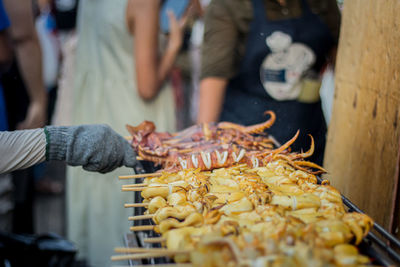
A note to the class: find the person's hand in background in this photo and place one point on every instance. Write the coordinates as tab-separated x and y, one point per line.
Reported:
151	68
94	147
36	115
176	31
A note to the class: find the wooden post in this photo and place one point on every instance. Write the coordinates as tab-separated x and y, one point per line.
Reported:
362	153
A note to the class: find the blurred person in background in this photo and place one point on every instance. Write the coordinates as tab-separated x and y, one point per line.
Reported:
26	100
26	46
65	14
45	181
120	78
263	55
186	73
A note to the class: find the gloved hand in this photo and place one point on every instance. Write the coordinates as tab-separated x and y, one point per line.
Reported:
94	147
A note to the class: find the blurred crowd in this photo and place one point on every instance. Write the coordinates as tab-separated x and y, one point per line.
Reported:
117	62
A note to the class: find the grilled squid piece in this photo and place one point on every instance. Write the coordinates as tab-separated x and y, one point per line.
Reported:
328	193
333	232
242	205
194	219
212	217
155	204
306	215
177	239
216	251
162	190
178	198
297	202
179	212
223	198
346	255
360	224
184	238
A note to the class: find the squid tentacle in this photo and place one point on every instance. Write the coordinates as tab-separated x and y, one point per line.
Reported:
309	152
283	147
259	128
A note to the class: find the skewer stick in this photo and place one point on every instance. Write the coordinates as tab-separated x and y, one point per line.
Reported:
138	250
135	205
141	188
160	265
139	256
132	188
134	185
141	175
142	228
139	158
153	240
140	217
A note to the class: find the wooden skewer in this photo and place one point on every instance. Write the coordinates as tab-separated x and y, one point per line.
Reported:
138	250
135	205
142	228
140	217
132	189
160	265
153	240
134	185
139	256
128	138
142	175
139	158
141	188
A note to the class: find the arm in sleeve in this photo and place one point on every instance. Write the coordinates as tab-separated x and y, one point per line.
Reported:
218	55
220	42
21	149
94	147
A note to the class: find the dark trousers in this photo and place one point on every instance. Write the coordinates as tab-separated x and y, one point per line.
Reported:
23	220
17	101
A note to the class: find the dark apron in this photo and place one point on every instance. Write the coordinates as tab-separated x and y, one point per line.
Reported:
246	99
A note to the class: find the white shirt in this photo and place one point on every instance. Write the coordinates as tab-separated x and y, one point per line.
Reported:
21	149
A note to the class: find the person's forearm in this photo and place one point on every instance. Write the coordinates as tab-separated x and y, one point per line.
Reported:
29	57
151	68
211	99
27	48
166	64
21	149
94	147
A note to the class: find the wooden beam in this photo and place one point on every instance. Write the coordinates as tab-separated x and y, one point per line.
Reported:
363	138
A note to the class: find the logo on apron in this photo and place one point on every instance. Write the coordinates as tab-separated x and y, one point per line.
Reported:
283	68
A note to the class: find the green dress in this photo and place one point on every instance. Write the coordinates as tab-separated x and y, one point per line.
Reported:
105	91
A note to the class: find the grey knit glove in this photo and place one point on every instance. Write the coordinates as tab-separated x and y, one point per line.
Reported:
94	147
